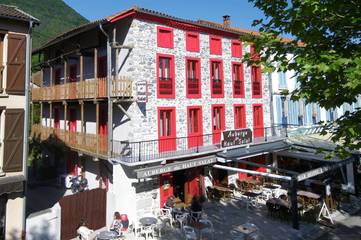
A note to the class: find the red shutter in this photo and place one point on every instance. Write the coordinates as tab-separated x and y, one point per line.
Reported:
13	140
167	143
216	132
236	48
215	43
165	37
193	86
192	41
239	116
195	126
16	64
166	89
217	88
258	128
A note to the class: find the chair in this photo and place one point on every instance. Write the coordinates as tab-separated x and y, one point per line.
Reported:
165	215
147	231
190	233
208	230
195	216
136	228
182	219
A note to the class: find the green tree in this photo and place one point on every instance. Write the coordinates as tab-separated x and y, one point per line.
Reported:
325	52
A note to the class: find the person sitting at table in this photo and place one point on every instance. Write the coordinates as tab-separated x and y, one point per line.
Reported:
116	224
169	203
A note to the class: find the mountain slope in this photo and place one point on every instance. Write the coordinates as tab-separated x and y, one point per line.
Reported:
55	17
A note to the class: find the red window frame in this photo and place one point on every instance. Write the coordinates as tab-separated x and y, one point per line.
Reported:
254	55
193	85
195	138
238	80
192	41
256	79
216	84
167	143
239	116
162	91
215	45
258	123
218	127
165	37
236	48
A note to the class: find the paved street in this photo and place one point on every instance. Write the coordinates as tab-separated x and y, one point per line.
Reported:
348	229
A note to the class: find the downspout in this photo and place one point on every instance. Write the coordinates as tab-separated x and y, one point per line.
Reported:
109	82
271	104
26	117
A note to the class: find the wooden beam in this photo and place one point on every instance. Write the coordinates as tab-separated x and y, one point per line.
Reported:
42	77
41	113
51	113
96	71
81	60
97	124
82	116
65	114
294	204
51	75
65	70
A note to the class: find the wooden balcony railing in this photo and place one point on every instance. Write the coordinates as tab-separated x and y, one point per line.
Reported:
86	142
87	89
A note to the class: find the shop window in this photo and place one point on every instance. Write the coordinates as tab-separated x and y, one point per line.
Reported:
192	41
239	116
256	78
166	129
218	122
195	128
236	48
193	75
217	79
258	128
165	37
238	80
215	45
165	76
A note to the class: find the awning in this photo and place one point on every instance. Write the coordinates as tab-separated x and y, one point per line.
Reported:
254	150
10	184
176	166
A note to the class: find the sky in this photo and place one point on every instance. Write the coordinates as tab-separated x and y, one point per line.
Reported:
241	11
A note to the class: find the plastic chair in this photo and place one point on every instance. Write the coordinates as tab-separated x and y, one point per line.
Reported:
195	216
165	215
147	231
182	219
190	233
208	230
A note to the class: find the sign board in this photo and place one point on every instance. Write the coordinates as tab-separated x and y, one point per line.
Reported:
237	137
142	91
176	166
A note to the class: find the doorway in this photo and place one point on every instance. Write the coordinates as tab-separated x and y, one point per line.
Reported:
179	181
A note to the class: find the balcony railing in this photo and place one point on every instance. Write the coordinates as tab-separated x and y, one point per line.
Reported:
256	88
238	88
217	86
132	152
165	86
193	86
89	143
87	89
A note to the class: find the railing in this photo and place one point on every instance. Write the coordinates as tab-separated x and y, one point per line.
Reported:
87	89
217	86
193	86
143	151
90	143
165	86
256	88
238	88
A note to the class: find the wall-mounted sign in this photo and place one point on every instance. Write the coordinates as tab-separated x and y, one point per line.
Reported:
142	91
171	167
237	137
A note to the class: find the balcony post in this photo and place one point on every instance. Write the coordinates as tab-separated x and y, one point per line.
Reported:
51	114
65	119
96	72
41	113
97	124
65	69
51	76
81	60
42	77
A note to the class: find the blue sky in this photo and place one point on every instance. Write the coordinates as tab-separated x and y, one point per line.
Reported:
241	11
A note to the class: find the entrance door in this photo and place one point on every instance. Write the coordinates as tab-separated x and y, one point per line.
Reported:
218	122
103	129
167	130
258	128
195	128
102	76
194	185
72	80
166	187
220	177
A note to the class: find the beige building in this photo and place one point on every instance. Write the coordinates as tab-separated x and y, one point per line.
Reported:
15	60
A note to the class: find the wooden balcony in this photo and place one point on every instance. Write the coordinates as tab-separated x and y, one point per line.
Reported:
88	143
87	89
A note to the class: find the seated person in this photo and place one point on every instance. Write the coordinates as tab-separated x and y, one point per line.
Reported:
196	205
116	224
125	222
169	203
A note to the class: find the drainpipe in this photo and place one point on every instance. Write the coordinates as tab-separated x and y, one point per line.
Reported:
109	82
26	118
270	86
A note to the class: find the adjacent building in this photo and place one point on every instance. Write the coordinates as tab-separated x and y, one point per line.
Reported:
15	62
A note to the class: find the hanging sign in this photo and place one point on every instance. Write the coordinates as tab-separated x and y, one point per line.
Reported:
142	91
237	137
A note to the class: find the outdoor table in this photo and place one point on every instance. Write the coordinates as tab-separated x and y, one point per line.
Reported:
107	235
283	203
271	186
147	221
308	194
225	191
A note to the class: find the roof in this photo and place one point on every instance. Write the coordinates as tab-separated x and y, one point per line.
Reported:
13	12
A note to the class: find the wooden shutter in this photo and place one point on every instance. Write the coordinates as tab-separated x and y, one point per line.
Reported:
13	140
16	64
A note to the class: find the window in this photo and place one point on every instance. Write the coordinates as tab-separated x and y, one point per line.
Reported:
236	48
165	76
258	129
215	45
256	78
217	79
282	80
238	80
165	37
218	122
254	54
193	75
195	128
166	129
239	116
192	42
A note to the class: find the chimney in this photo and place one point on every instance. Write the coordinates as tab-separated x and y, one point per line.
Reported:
227	20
